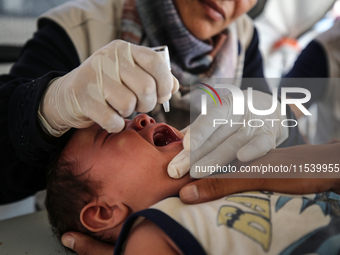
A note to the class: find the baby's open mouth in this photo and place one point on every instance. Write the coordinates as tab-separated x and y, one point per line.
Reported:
164	135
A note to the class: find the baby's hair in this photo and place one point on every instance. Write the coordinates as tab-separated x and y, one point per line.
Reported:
66	195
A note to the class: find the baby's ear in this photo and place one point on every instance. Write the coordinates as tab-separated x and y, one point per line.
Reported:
99	215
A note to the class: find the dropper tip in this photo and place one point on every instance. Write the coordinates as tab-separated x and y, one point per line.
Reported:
166	106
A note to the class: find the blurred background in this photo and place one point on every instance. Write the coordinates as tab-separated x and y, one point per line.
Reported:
17	24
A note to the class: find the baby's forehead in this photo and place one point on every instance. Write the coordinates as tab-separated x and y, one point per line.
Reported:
78	167
79	143
84	147
84	136
73	143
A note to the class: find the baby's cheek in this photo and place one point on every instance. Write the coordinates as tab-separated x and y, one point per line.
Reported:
123	144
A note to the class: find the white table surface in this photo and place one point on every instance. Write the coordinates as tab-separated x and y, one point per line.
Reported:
28	235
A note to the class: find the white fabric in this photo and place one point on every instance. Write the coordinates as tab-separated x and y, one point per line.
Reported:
328	125
289	18
90	24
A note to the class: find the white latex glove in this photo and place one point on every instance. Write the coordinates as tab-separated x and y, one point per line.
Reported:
112	83
205	145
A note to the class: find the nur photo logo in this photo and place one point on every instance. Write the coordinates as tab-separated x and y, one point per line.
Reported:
239	99
242	99
204	97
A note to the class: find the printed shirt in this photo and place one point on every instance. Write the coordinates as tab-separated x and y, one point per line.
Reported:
248	223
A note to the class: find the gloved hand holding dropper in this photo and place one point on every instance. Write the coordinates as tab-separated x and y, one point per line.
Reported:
115	81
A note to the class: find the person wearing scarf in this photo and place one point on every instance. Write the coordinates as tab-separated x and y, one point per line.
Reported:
68	35
199	46
232	52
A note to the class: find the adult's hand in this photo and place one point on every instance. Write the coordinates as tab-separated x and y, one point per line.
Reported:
205	145
86	245
112	83
325	154
208	189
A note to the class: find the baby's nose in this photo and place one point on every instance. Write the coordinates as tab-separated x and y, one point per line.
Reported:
141	121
